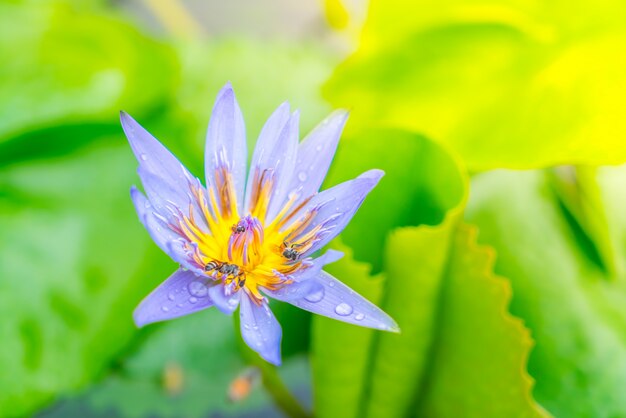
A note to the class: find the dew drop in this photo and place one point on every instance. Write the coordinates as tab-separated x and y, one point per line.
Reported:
343	309
331	284
302	176
198	289
143	157
315	297
171	296
359	317
165	308
232	302
255	327
193	300
246	326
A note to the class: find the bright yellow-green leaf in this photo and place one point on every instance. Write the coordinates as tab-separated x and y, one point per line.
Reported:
505	84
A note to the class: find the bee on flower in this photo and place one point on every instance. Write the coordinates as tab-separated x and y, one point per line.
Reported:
242	239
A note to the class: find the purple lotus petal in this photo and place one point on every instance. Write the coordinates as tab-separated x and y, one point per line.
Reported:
315	154
182	252
142	205
275	153
330	256
152	155
260	329
181	294
336	206
159	232
301	285
226	304
226	141
177	211
335	300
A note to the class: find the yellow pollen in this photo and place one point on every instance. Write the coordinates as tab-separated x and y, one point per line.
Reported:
242	251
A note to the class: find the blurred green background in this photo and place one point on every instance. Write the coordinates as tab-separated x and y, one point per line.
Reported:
497	239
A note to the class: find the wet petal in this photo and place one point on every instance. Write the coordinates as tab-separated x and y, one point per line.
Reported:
302	286
142	205
180	294
334	208
331	298
159	232
226	304
152	155
260	329
169	201
184	253
226	141
315	154
275	153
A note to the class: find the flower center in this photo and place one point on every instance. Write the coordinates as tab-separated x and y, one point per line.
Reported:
242	252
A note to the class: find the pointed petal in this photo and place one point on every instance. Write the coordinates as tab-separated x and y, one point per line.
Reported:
142	205
183	253
315	154
302	286
226	141
152	155
275	152
260	329
334	208
180	294
226	304
331	298
169	201
159	232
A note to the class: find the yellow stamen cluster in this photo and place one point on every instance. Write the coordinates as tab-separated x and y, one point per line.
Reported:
247	251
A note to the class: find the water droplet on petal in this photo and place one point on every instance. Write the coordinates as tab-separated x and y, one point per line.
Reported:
359	317
331	284
343	309
232	302
165	308
198	289
255	327
193	300
143	157
315	297
246	326
302	176
171	296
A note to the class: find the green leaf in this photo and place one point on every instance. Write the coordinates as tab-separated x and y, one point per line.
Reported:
576	316
480	348
512	84
339	350
578	192
74	261
421	183
438	286
411	195
203	346
61	66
